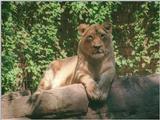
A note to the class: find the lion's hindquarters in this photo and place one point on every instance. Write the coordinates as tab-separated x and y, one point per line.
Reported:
47	79
59	73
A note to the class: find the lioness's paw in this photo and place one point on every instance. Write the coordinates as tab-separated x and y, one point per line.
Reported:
93	92
103	96
94	95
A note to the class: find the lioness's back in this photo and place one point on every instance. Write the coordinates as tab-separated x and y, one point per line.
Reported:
63	71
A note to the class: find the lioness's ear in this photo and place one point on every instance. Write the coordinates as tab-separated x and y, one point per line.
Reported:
82	28
107	26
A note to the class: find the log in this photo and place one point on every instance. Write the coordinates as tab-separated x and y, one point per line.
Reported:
61	102
135	97
130	97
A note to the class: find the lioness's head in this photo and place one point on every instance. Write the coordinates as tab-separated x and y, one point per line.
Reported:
95	40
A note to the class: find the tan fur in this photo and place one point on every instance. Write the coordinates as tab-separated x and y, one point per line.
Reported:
94	65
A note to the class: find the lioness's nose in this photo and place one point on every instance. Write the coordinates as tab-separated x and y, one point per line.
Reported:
97	46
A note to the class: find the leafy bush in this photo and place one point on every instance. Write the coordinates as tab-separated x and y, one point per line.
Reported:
35	33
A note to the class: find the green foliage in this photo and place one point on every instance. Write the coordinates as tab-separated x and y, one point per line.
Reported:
35	33
137	38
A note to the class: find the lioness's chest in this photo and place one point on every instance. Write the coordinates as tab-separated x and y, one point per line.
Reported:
84	71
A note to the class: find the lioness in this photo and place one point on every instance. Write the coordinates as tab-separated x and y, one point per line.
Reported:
94	66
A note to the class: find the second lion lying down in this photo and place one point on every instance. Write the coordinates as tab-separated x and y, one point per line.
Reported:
94	66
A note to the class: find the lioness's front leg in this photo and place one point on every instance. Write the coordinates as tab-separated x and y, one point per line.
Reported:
105	83
92	89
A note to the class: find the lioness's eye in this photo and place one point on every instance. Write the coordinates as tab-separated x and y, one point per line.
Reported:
102	35
89	38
